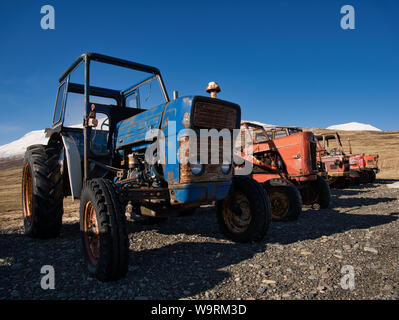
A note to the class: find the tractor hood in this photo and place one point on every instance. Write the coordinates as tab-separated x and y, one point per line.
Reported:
186	112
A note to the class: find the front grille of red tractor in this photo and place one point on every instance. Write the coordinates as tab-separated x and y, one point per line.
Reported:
313	155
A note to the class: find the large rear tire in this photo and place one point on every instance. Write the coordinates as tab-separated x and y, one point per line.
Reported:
285	201
317	192
103	229
372	175
323	192
364	177
245	215
42	192
354	177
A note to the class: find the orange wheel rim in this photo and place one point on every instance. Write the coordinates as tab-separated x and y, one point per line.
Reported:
237	223
27	194
91	234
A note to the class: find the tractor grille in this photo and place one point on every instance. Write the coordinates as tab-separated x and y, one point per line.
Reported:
313	155
210	115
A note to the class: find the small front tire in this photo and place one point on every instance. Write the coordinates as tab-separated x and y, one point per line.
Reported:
103	230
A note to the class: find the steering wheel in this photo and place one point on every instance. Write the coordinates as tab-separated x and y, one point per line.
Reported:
105	124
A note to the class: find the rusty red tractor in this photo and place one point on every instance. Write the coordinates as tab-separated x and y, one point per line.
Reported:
357	168
366	165
333	163
284	162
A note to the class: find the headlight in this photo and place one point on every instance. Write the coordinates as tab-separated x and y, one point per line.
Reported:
197	168
225	168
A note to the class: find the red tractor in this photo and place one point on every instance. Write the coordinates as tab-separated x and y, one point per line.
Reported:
333	163
284	162
362	167
366	165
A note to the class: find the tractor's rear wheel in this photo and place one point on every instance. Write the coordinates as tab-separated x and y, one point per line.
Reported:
371	175
317	192
42	192
34	146
103	229
364	177
286	202
354	177
339	183
322	191
245	214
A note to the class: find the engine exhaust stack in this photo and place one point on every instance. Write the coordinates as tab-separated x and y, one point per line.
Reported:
213	88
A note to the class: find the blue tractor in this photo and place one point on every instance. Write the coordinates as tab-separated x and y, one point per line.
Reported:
115	163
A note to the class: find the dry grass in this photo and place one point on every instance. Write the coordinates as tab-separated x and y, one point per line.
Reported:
10	192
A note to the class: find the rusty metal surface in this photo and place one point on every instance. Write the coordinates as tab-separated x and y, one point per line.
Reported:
210	115
211	173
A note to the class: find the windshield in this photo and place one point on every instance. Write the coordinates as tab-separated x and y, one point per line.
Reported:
294	130
260	136
144	94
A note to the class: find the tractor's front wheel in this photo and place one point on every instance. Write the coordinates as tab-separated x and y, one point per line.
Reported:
42	192
245	214
103	230
286	202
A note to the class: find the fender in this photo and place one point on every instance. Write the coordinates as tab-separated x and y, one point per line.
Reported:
74	166
279	182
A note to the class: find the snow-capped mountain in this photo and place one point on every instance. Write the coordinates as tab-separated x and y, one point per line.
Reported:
354	126
18	147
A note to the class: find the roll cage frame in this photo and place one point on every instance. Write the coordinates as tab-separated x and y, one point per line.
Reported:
115	112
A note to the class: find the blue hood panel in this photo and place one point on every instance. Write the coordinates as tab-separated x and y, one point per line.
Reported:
133	130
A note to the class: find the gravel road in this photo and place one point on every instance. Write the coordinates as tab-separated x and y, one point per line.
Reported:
187	257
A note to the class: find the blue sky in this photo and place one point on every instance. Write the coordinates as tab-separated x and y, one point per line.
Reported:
284	62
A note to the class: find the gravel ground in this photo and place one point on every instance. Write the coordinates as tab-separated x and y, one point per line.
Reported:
187	258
